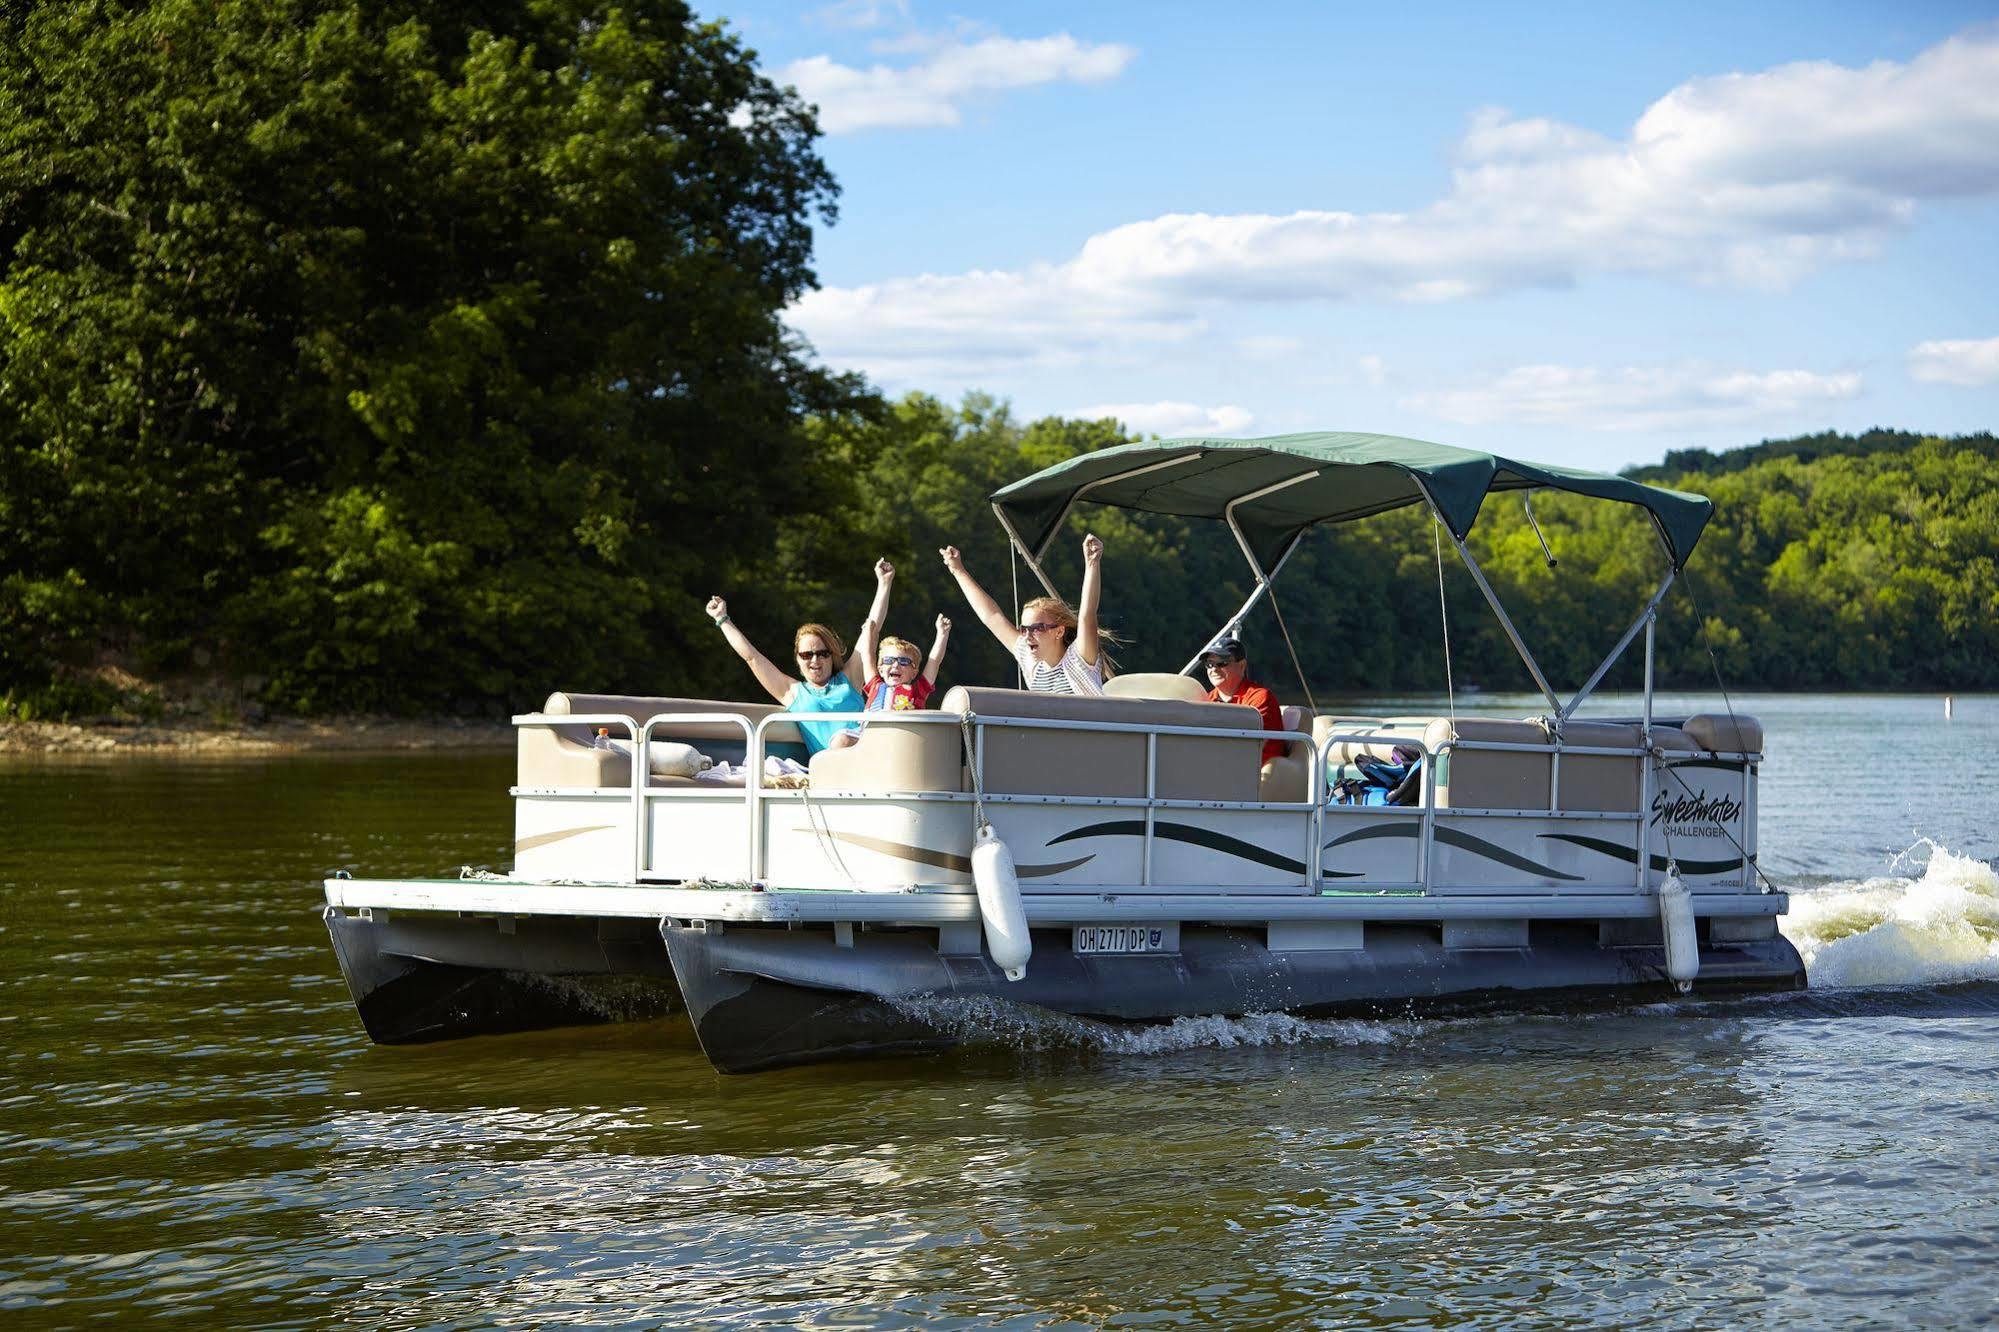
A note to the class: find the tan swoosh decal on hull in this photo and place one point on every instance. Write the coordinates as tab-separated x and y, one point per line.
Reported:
947	859
549	839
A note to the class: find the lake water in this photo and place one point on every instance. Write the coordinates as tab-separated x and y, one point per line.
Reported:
193	1126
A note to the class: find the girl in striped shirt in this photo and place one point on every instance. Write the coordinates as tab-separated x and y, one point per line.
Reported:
1059	650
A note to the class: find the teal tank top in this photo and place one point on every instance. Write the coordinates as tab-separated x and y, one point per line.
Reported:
836	695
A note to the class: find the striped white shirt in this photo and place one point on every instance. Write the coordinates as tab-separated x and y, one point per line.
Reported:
1072	675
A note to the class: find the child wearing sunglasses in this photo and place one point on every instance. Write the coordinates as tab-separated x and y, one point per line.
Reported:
897	685
1060	650
823	683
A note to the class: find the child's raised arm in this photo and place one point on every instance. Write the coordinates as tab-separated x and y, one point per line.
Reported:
989	612
937	647
1093	592
860	667
775	682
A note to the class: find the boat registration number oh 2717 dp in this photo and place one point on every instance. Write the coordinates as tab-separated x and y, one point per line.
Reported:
1126	939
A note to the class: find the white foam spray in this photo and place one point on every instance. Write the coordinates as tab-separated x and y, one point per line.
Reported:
1938	928
979	1018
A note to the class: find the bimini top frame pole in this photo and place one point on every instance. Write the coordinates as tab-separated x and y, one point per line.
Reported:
1234	622
1026	554
1492	599
1263	579
1643	621
1353	475
1033	557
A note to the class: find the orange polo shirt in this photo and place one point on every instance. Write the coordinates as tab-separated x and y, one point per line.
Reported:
1256	696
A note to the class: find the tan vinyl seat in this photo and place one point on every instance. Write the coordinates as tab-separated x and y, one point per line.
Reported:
1390	730
1288	776
1059	761
1519	780
1033	761
1723	734
895	756
1155	684
563	756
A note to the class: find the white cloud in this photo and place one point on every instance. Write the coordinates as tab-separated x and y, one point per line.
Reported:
1373	369
922	328
1686	397
1970	362
1171	420
1269	344
1746	179
863	13
952	70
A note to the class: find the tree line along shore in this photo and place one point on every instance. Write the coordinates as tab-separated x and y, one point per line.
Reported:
396	359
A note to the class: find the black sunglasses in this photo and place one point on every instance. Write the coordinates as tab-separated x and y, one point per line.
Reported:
813	654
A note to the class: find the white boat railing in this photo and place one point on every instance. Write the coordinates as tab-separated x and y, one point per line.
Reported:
1316	805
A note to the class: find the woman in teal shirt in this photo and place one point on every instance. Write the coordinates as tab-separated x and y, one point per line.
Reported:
828	679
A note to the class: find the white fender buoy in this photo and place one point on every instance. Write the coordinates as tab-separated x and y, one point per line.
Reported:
1676	919
999	903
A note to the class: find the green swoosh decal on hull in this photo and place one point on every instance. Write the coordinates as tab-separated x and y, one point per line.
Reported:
1180	832
949	860
1463	841
1629	855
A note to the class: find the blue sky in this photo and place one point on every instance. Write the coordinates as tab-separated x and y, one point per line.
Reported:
1578	233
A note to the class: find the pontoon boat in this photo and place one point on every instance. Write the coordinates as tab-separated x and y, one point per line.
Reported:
1130	858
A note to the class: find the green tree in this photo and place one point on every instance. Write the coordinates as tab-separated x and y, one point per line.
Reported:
407	354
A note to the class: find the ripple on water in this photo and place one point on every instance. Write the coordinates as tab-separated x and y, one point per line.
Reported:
191	1123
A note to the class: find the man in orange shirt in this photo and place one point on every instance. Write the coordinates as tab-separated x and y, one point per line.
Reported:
1229	682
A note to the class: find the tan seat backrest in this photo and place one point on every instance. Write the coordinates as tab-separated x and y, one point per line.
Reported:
894	756
563	756
1490	779
1155	684
1725	735
1513	779
1391	730
641	706
1033	761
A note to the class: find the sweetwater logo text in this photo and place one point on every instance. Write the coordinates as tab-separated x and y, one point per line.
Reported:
1696	815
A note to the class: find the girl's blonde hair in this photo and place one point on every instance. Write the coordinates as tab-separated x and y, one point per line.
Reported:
1065	615
831	639
915	652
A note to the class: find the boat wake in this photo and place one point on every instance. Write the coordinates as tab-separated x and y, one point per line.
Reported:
1917	937
985	1020
1936	927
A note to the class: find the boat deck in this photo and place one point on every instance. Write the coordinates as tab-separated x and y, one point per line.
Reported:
940	906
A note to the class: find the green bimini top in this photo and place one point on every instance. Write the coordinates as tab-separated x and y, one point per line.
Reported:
1332	477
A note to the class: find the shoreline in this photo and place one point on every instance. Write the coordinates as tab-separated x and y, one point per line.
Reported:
194	737
105	737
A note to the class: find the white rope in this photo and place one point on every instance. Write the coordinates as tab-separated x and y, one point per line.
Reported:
1444	612
828	845
972	763
1271	592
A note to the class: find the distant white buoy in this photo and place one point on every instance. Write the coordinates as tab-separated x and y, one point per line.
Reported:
1946	707
1676	921
993	874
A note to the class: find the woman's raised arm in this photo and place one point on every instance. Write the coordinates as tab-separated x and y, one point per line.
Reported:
989	612
1087	644
775	682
